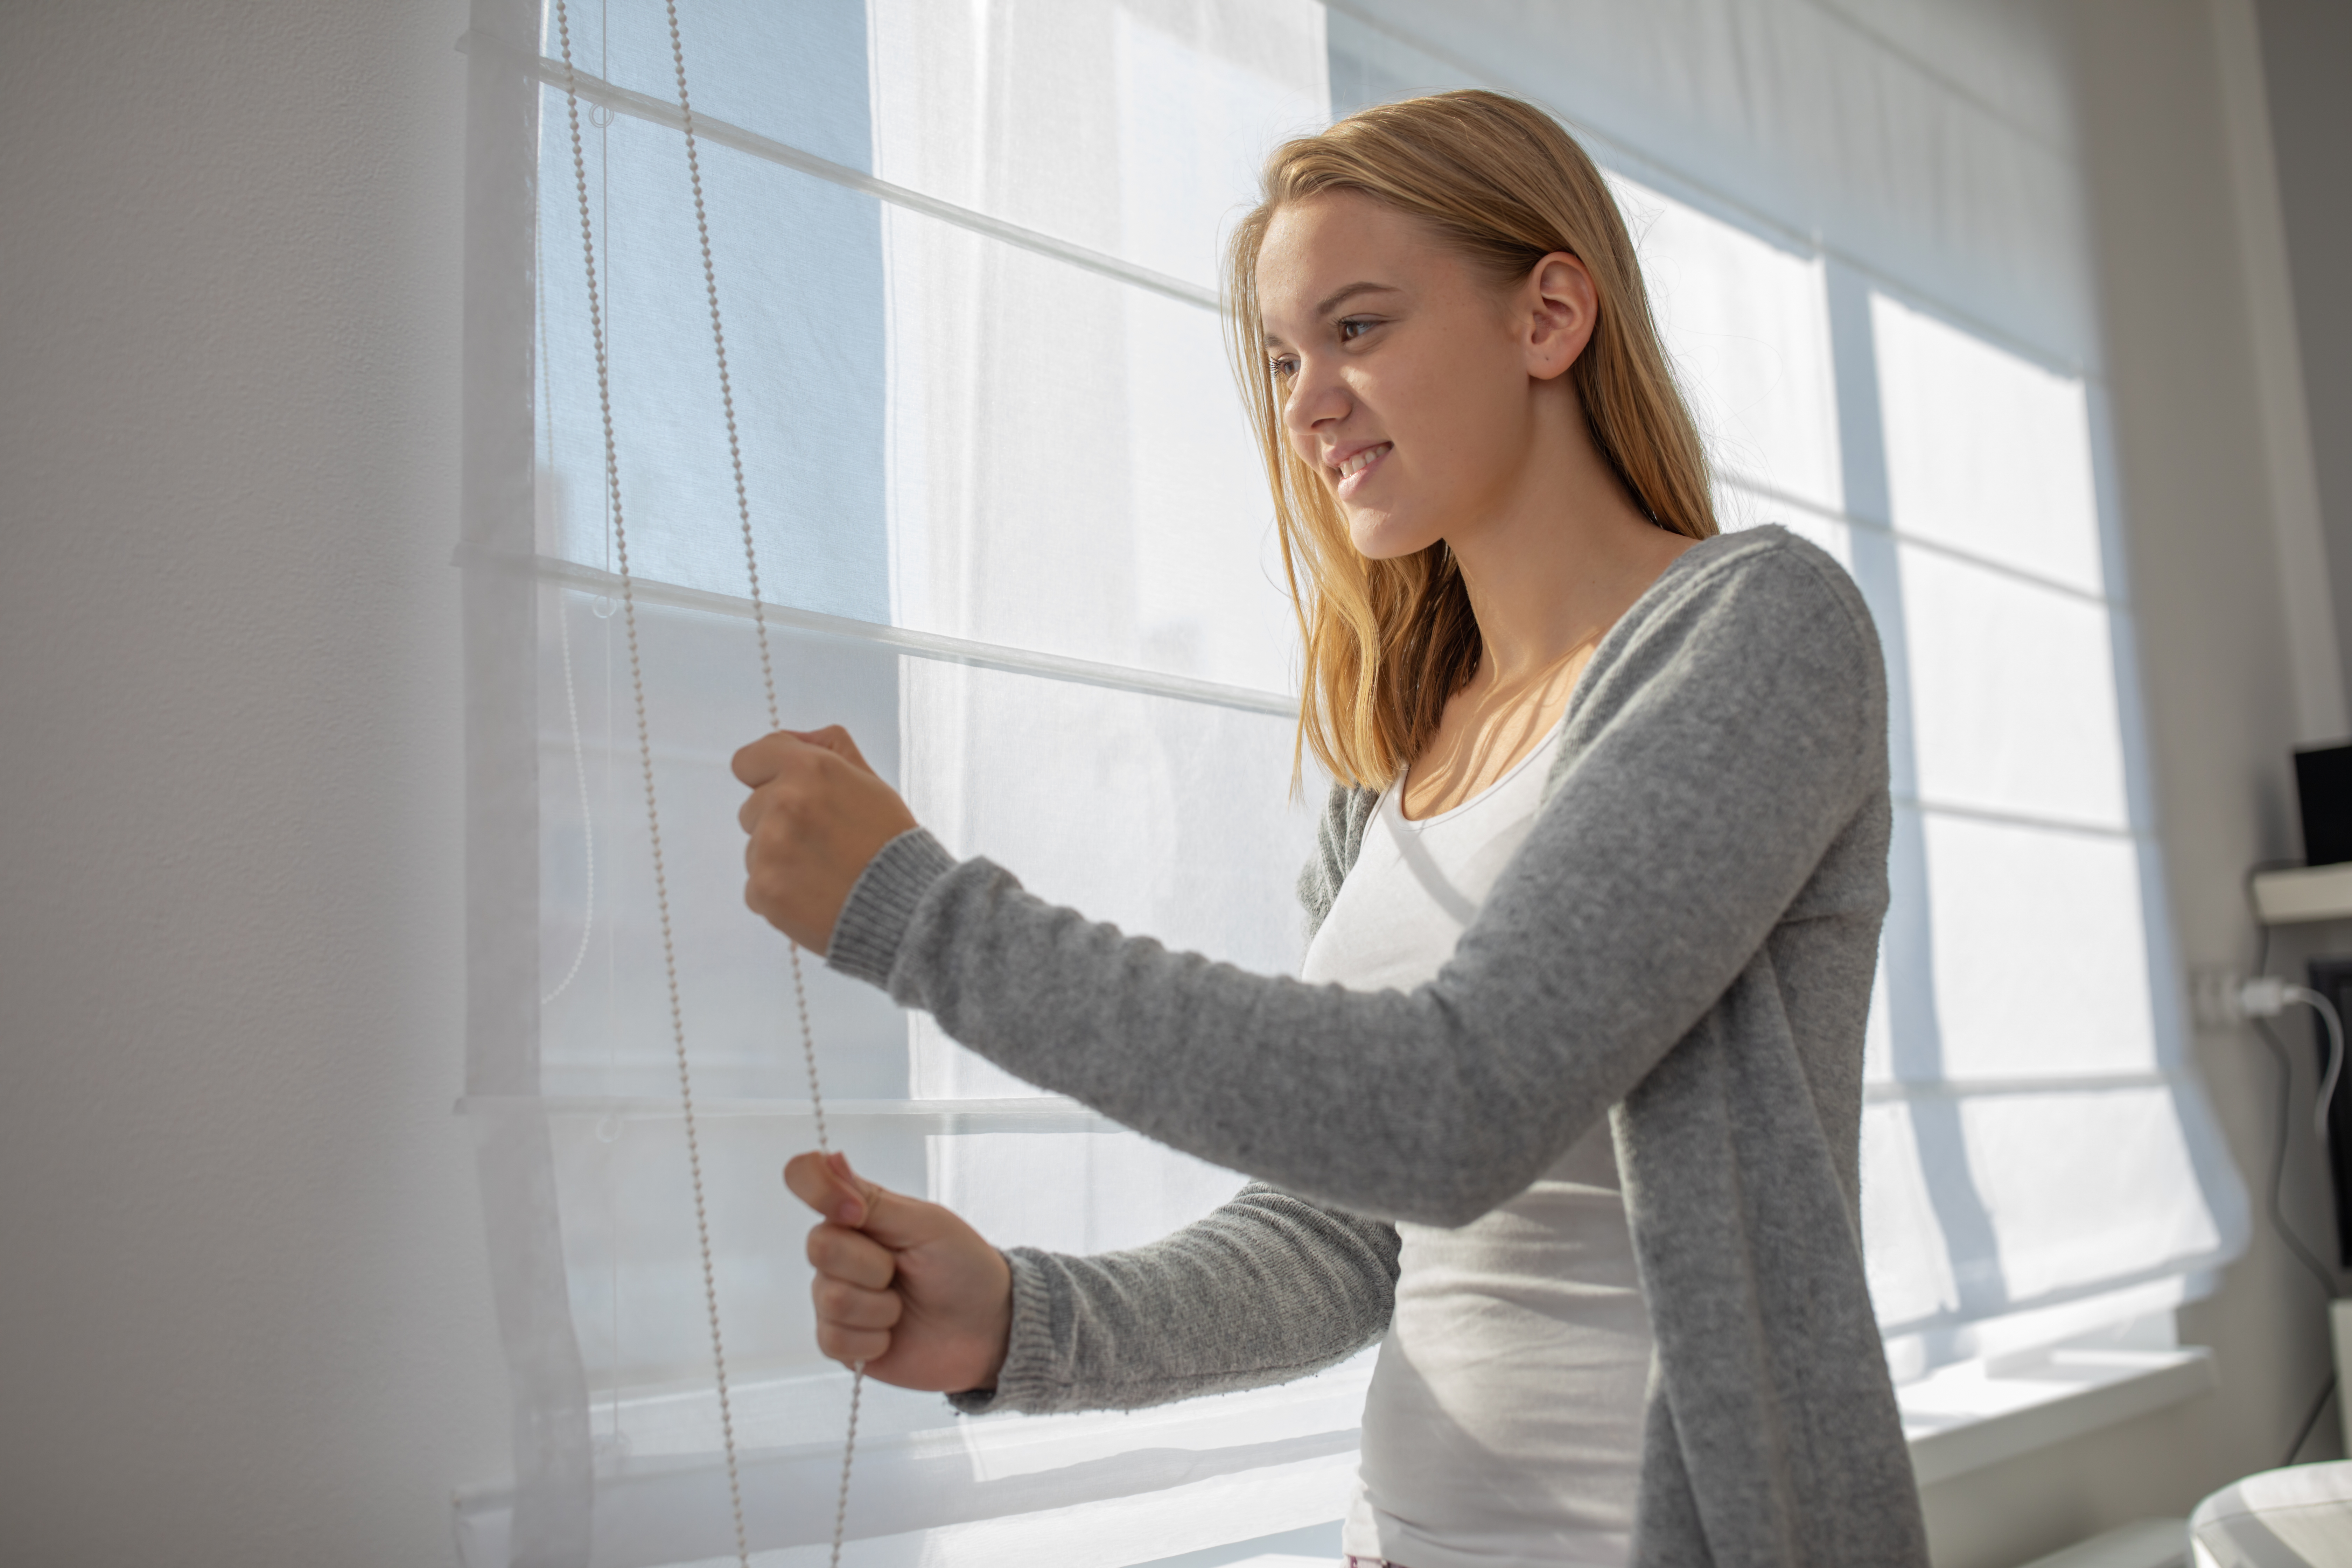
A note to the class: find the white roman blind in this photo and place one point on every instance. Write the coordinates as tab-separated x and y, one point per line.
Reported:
1863	239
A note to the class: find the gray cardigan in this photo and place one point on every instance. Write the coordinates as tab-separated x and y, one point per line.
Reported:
1685	944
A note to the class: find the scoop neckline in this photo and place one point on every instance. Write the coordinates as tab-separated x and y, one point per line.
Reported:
1688	559
1394	797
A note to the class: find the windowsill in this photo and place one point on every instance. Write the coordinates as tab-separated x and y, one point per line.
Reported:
1973	1415
1960	1419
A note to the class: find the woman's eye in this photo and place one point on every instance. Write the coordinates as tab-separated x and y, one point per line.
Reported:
1353	327
1283	366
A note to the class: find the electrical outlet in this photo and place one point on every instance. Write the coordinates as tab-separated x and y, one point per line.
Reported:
2214	998
2222	998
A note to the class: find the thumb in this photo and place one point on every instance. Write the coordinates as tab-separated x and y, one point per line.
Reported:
827	1184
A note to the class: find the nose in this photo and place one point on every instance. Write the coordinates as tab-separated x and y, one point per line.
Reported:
1318	396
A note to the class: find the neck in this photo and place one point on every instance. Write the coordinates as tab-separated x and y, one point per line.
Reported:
1559	553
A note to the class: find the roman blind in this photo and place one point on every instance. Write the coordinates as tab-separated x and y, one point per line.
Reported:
1013	534
1866	231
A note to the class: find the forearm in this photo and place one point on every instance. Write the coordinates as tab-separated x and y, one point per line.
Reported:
1267	1288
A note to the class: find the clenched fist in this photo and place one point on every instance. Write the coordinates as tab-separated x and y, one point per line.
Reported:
816	816
902	1285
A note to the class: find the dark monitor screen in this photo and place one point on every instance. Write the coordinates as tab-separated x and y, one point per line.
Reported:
2323	786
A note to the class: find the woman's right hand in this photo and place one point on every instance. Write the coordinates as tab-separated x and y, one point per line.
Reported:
902	1285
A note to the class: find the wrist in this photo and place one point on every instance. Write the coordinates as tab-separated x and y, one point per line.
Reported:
1001	1332
873	918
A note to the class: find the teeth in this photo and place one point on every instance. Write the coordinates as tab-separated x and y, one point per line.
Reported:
1361	460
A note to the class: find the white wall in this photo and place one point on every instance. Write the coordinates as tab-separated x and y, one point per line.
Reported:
243	1312
244	1316
2205	580
2306	47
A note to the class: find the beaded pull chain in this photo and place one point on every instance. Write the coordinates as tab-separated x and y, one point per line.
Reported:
644	752
768	681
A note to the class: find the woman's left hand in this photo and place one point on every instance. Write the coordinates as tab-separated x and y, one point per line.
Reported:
816	816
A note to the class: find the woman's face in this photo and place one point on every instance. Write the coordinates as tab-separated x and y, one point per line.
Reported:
1410	380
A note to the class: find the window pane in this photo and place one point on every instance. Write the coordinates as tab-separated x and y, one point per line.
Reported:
1073	1192
1737	506
1985	451
1069	468
604	1027
2031	1218
799	270
2086	1187
2012	693
1903	1241
1132	129
2041	966
1747	326
741	56
1172	820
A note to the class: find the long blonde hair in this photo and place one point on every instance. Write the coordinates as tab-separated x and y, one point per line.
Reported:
1389	642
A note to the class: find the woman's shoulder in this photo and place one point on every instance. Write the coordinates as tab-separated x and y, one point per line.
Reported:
1764	561
1761	594
1757	622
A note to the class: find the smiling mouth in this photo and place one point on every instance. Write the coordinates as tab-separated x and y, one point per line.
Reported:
1363	460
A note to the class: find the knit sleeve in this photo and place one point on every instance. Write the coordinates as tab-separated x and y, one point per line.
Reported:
1338	840
1267	1288
1728	733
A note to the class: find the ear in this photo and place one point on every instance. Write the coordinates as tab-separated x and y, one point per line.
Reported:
1561	309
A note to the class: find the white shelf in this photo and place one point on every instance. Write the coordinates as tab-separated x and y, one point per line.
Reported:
2310	893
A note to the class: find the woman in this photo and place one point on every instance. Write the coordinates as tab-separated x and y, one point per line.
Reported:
1567	1100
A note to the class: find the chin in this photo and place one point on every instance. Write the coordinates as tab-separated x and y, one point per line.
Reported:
1384	536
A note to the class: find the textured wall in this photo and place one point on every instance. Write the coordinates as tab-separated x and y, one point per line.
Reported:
243	1313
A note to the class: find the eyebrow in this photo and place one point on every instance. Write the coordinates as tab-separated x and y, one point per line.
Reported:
1341	297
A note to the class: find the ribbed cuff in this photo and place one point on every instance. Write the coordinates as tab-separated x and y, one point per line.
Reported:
1025	1381
873	921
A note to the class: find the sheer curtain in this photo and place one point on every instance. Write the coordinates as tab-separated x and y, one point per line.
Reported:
1013	535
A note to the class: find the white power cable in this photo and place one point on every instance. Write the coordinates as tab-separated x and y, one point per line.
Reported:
2266	997
2326	1010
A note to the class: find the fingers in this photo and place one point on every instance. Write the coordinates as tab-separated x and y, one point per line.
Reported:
854	1258
835	739
852	1320
766	757
846	1307
855	1308
852	1347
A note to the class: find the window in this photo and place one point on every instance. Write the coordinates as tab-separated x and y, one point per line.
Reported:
1007	257
955	246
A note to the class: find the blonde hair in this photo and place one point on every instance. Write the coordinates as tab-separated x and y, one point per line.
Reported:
1389	642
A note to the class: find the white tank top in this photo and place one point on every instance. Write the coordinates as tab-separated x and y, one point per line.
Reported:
1504	1424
